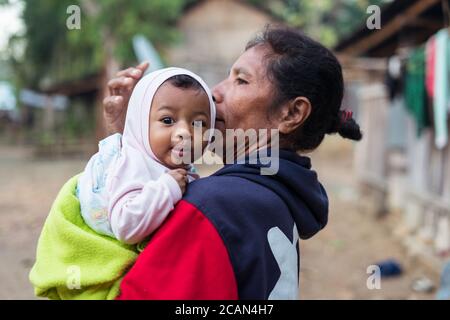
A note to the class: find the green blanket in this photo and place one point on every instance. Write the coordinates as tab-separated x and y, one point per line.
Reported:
72	260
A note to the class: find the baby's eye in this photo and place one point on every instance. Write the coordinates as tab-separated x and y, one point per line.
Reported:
167	120
199	123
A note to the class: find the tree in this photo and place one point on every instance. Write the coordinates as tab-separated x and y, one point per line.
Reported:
55	54
325	20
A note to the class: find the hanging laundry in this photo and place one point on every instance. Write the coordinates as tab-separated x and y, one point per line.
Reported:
415	95
430	61
393	77
441	97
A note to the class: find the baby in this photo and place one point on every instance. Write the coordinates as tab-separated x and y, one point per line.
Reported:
129	187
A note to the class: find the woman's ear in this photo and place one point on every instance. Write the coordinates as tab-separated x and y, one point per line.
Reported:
293	114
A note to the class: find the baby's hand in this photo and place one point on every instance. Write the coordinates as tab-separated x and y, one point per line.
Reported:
180	176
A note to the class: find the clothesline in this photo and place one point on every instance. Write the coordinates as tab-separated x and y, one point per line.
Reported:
423	78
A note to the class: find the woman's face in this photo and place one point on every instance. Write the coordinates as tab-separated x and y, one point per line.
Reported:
243	99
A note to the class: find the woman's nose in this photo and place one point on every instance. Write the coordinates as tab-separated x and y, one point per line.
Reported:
217	94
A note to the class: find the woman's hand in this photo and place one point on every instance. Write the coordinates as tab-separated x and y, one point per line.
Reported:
120	89
180	176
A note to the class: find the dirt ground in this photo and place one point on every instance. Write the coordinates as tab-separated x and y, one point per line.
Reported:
333	263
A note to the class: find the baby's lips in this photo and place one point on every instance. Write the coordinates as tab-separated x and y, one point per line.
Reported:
180	147
178	152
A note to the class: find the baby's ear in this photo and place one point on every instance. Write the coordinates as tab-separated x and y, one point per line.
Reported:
293	114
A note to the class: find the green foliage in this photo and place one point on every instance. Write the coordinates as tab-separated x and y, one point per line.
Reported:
325	20
54	53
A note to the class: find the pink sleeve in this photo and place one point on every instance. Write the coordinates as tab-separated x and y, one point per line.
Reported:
140	212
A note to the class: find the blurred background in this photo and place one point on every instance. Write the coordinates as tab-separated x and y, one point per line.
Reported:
389	194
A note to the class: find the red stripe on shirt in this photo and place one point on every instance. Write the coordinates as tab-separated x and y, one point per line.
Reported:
185	259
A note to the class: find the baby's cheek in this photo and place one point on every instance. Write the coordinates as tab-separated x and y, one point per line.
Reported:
159	140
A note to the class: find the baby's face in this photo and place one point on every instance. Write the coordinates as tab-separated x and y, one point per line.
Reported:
174	114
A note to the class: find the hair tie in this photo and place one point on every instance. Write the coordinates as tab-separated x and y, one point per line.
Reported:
346	115
343	116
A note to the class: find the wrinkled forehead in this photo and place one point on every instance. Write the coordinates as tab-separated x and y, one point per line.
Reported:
253	62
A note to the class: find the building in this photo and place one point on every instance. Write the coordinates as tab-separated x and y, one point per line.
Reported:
402	169
214	34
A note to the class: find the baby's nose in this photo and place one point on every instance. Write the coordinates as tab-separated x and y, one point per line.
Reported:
181	133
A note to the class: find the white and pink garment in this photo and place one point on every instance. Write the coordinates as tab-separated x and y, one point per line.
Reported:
125	191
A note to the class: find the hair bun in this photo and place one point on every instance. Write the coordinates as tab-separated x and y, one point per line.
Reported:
346	126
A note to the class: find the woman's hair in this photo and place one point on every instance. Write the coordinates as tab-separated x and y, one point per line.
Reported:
183	81
302	67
